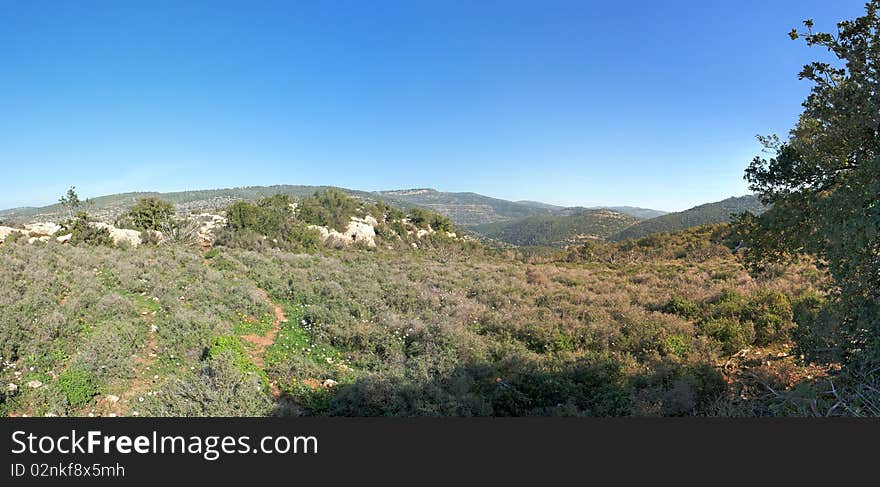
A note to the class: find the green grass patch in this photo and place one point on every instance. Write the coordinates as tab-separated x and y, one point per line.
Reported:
250	326
236	348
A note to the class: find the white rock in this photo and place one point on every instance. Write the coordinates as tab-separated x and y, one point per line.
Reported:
7	231
120	235
34	384
329	383
111	398
42	228
359	230
11	387
64	238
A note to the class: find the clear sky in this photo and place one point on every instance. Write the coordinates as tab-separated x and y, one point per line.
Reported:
652	104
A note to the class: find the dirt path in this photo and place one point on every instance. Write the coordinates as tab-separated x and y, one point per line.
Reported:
126	403
260	342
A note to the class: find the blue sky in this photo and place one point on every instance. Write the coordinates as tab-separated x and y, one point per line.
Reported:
652	104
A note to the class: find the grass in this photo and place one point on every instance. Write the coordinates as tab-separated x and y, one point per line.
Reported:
618	329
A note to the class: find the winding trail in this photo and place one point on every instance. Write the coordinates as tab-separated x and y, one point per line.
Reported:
261	342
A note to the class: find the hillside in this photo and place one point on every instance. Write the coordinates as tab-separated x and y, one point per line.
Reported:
718	212
467	209
108	207
552	230
247	328
640	213
464	209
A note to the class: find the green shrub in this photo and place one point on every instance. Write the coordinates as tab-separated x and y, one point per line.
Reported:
682	307
148	213
677	345
218	388
771	313
732	334
233	346
331	208
78	386
82	231
817	323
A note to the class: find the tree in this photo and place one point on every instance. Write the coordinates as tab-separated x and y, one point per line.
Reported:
70	201
150	213
331	208
823	182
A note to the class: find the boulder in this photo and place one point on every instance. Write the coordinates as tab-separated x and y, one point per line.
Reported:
120	235
359	230
44	239
64	238
42	228
7	231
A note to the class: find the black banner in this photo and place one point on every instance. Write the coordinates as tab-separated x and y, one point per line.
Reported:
382	451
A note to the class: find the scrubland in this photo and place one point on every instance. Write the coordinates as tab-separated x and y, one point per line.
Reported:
670	325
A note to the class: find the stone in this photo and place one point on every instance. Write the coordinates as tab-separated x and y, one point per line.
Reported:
42	228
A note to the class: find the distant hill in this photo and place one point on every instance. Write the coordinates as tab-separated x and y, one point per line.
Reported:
556	230
468	209
641	213
110	206
718	212
464	209
538	204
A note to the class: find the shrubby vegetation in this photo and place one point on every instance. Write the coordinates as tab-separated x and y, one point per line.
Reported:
279	222
82	231
558	230
148	214
822	184
708	214
440	330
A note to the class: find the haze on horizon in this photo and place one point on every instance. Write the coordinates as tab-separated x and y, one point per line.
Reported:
567	103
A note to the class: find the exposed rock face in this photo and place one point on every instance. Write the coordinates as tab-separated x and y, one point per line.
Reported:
42	228
120	235
5	232
44	239
359	230
207	224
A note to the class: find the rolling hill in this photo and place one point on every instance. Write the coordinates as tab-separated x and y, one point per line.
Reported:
554	230
467	209
464	209
718	212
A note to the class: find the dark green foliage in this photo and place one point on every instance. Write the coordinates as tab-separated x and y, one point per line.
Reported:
823	181
269	216
682	307
770	311
558	230
148	213
267	223
82	231
707	214
331	208
733	334
816	331
70	201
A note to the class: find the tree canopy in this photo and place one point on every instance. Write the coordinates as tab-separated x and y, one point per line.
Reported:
822	181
